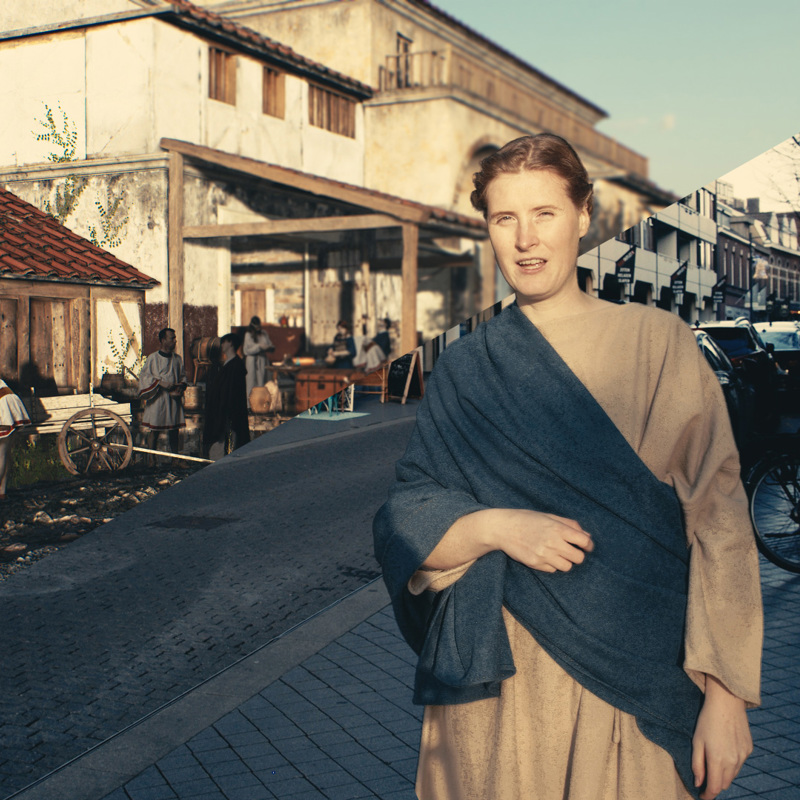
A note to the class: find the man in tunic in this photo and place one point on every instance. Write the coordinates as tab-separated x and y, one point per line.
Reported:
162	383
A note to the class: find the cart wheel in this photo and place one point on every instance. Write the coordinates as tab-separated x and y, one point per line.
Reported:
94	440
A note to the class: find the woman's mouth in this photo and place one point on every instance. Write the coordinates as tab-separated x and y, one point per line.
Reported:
531	264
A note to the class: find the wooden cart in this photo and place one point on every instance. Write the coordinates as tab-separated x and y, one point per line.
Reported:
94	432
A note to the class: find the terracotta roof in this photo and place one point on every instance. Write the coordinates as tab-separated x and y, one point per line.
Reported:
34	245
233	31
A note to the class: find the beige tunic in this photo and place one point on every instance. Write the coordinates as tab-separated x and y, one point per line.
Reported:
546	737
160	373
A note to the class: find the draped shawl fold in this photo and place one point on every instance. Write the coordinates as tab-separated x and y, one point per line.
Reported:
506	424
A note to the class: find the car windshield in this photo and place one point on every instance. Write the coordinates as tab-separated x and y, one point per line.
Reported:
783	340
734	341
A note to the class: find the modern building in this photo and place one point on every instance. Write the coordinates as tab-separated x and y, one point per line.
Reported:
667	260
759	259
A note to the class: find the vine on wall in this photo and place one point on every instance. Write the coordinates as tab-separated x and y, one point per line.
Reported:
64	138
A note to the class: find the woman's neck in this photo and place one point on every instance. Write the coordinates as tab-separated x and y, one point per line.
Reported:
560	307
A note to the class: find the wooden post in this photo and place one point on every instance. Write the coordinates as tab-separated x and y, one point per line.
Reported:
408	336
175	268
488	275
368	303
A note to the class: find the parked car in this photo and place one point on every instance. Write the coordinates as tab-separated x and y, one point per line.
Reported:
785	340
750	356
782	339
739	392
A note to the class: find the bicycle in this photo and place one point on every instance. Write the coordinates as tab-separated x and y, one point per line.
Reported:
772	482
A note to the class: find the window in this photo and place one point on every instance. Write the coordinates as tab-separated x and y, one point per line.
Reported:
274	97
221	75
331	111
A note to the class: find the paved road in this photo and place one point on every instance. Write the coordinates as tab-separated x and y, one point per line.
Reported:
147	606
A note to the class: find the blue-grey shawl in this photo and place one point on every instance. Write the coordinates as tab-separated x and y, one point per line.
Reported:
506	424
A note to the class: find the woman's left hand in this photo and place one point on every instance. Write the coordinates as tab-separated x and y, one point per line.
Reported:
721	741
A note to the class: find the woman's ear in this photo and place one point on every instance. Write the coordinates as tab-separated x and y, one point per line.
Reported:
584	221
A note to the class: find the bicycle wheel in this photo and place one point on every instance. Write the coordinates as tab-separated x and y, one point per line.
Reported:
775	510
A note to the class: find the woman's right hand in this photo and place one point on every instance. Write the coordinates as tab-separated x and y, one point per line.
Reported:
541	541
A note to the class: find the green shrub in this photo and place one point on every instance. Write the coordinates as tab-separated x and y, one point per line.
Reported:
36	459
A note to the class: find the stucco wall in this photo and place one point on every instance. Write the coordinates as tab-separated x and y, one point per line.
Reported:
20	14
125	86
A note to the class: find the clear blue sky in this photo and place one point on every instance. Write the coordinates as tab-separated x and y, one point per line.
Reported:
697	86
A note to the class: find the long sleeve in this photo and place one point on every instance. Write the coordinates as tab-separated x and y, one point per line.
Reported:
724	624
251	346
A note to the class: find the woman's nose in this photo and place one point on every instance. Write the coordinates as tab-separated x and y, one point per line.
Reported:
527	236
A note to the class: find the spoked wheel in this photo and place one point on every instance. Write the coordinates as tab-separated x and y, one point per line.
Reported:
775	510
95	440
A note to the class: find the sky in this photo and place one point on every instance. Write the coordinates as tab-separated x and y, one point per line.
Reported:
697	86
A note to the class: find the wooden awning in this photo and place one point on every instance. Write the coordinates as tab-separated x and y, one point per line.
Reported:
363	209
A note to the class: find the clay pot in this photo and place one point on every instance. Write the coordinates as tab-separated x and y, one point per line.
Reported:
193	397
260	400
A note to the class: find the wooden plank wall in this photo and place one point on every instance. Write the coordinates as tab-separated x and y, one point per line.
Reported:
45	332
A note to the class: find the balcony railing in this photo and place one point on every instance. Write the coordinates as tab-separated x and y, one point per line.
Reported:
424	70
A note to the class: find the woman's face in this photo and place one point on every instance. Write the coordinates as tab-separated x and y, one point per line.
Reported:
535	228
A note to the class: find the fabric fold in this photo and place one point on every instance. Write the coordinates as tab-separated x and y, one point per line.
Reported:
530	435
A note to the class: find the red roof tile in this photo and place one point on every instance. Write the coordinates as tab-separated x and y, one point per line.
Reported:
34	244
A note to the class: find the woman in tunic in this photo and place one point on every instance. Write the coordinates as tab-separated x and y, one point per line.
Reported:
567	545
255	347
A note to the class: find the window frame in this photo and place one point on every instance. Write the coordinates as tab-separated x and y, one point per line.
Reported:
222	67
331	111
273	92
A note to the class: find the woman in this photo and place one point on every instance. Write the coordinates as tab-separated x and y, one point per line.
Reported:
13	416
343	350
255	348
571	473
373	352
226	422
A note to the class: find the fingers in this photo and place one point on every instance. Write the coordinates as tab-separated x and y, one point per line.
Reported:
556	543
699	762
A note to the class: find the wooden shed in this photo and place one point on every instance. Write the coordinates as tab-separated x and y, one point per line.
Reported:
63	300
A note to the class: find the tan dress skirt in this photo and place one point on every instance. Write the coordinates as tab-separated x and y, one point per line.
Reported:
546	737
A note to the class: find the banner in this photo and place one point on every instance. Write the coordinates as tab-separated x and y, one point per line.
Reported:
625	267
677	282
718	292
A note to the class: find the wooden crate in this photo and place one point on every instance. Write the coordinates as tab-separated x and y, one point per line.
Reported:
315	384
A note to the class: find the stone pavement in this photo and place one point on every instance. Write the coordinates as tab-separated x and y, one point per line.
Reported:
336	722
136	613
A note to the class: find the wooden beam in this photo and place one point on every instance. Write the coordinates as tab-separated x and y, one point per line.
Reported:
281	226
175	237
293	179
368	302
408	335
